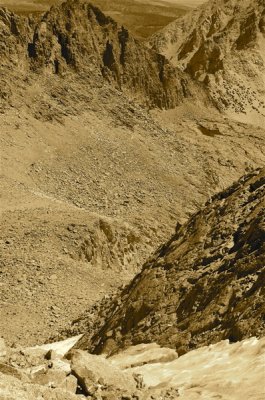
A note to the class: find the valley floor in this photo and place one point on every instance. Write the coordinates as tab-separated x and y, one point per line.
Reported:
84	206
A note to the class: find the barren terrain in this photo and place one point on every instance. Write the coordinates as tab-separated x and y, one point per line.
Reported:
118	219
66	207
86	171
202	286
221	44
145	372
142	18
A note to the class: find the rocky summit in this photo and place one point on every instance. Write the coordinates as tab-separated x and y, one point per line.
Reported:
204	285
77	37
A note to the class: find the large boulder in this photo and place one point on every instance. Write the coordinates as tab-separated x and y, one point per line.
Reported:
12	388
96	375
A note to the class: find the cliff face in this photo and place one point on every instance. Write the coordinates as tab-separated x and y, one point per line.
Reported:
203	286
77	37
222	45
14	34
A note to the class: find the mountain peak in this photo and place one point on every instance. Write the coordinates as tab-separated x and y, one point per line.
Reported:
76	37
221	44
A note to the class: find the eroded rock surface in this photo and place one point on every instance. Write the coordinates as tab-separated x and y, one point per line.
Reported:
92	182
77	37
204	285
221	44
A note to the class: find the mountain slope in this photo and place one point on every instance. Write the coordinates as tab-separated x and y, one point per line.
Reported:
222	45
86	169
78	37
204	285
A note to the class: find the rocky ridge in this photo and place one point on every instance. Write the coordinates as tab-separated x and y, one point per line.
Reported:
76	37
204	285
221	44
141	19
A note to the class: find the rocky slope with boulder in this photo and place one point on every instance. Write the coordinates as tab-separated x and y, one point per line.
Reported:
92	182
145	372
221	44
204	285
86	169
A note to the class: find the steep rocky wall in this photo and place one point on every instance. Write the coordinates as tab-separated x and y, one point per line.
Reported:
204	285
77	37
14	34
221	44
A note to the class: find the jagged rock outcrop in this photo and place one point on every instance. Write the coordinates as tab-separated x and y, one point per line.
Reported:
221	44
77	37
109	246
14	34
204	285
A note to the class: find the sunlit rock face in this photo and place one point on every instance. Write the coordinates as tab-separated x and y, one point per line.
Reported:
221	44
76	37
204	285
143	18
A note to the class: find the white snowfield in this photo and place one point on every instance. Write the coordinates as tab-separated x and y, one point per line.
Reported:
62	347
221	371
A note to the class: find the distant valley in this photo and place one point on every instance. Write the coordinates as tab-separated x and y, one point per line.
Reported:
143	18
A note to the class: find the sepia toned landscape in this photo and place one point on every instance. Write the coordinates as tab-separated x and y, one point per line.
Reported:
143	18
132	200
